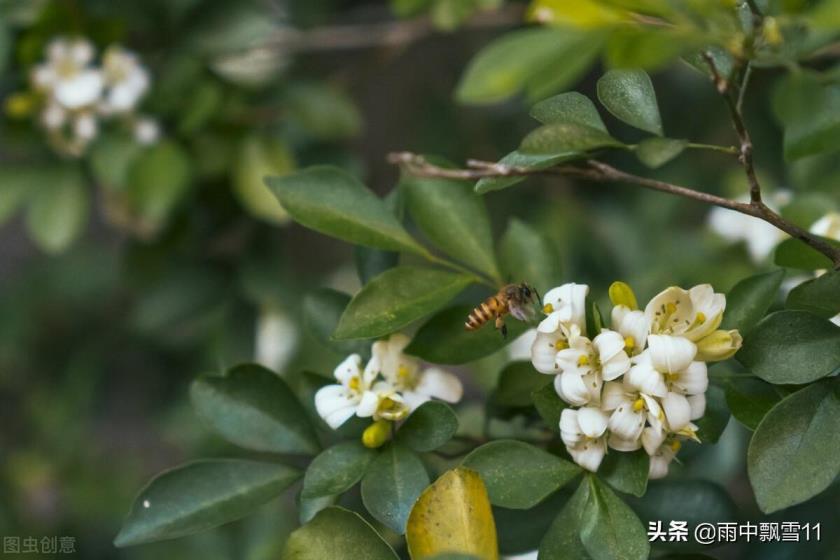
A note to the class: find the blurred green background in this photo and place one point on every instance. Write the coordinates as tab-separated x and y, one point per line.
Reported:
99	342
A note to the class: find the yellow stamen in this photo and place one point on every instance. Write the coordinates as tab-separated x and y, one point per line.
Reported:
638	404
675	445
355	383
387	404
701	318
376	434
670	307
548	308
583	361
629	343
402	371
561	344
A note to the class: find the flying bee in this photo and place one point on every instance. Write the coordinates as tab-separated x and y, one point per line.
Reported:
516	299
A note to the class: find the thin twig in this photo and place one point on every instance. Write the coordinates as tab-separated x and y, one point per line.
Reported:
743	88
597	171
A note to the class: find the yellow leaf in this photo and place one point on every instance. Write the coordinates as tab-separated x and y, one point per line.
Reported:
453	515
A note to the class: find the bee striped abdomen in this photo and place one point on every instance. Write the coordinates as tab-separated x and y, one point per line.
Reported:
489	309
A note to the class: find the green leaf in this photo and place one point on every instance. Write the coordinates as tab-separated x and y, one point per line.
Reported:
692	501
528	255
527	161
820	296
791	347
570	107
325	112
111	159
748	301
549	406
517	383
308	508
793	253
201	495
750	399
538	61
322	309
519	475
392	484
809	113
370	263
562	540
629	96
559	138
337	534
254	408
17	182
258	157
332	202
656	152
454	218
336	470
646	48
794	453
428	427
716	417
626	472
158	180
58	210
610	528
396	298
521	531
444	340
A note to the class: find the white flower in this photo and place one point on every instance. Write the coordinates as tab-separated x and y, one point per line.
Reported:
673	358
126	80
693	313
630	408
337	403
583	431
66	75
404	373
632	325
545	347
275	340
760	237
53	116
85	127
146	131
565	304
586	364
827	226
661	450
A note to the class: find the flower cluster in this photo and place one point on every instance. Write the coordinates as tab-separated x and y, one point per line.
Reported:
76	94
638	384
387	389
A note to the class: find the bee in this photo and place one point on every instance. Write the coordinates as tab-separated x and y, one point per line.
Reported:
516	299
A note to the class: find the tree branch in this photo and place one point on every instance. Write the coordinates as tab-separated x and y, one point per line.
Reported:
597	171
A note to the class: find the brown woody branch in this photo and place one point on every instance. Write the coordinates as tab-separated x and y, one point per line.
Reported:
597	171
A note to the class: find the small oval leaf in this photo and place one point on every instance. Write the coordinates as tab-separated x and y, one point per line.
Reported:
629	96
337	534
428	427
393	482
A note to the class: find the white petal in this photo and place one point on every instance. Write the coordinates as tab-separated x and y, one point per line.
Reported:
654	412
619	444
679	317
520	349
570	388
350	367
616	366
670	354
677	411
79	91
627	423
609	344
368	404
632	324
589	454
658	467
569	302
413	400
593	421
698	405
440	384
613	395
644	378
544	353
550	324
569	428
334	406
694	380
652	440
573	360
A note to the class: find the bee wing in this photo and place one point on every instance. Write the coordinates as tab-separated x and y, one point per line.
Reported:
520	312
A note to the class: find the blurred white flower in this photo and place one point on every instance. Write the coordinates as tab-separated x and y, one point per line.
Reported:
67	76
276	339
828	226
337	403
126	80
760	237
146	131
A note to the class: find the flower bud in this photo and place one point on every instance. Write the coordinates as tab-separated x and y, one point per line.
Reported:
622	294
770	31
376	434
719	345
20	105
